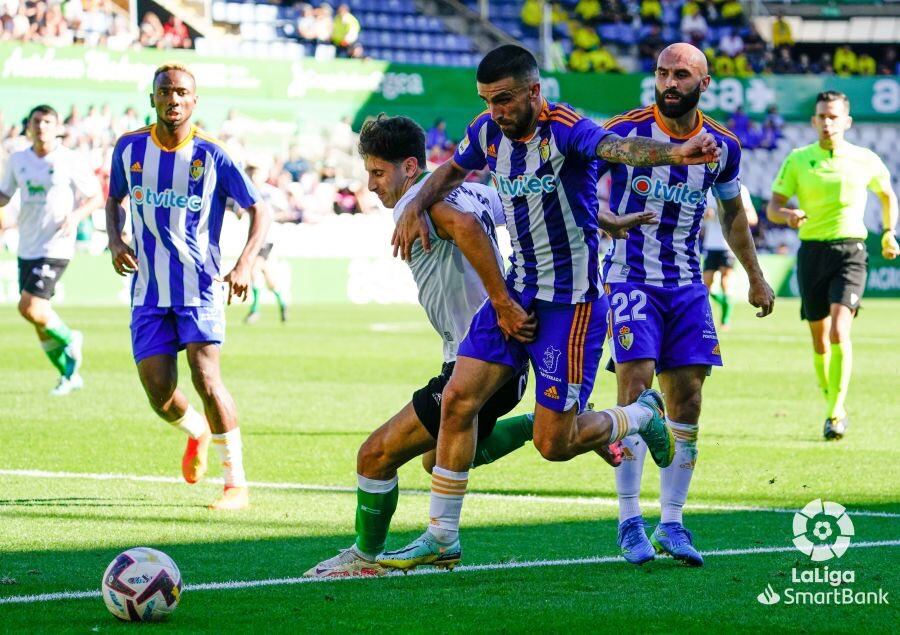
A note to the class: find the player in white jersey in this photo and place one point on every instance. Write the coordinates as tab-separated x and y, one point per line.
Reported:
48	175
178	180
717	255
660	319
462	272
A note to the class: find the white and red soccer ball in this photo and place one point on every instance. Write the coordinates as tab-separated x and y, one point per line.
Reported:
141	585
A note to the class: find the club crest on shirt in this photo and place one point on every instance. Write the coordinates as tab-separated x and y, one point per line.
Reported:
626	337
197	169
544	149
713	166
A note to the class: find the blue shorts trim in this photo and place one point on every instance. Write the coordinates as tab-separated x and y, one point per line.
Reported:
168	330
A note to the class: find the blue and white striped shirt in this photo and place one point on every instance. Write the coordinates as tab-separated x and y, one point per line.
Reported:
177	198
548	187
667	254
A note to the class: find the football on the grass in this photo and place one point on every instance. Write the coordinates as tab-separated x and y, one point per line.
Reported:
141	585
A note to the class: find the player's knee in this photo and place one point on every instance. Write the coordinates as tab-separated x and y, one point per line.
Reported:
552	448
371	457
458	409
429	460
687	408
28	310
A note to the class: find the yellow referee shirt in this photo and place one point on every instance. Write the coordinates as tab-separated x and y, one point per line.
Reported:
830	186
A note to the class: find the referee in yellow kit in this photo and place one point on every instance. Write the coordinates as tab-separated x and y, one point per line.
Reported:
830	179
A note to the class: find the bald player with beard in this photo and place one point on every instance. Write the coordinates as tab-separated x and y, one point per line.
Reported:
660	319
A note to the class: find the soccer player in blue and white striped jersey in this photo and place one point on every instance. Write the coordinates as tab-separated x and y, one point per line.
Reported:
177	180
544	160
660	319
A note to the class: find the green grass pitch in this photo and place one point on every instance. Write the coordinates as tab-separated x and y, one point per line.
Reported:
309	392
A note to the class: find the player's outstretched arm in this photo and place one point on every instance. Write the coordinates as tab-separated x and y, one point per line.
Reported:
737	234
467	232
781	215
240	277
124	260
644	152
889	247
411	225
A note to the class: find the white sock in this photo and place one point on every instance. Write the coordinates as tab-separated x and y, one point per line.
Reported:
447	492
627	420
192	423
675	480
628	477
375	486
230	451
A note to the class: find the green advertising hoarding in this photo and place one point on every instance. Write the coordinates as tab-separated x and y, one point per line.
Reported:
284	95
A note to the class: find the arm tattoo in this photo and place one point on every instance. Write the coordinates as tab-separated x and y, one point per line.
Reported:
637	151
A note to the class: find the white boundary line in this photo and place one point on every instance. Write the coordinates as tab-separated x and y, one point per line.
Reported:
496	566
526	498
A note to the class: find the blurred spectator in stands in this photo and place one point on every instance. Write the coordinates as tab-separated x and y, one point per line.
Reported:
306	23
865	64
732	13
783	64
731	43
96	21
755	48
671	12
532	11
436	137
73	12
357	52
739	124
324	22
152	32
649	47
20	26
127	122
889	64
769	136
584	37
825	65
693	25
589	11
651	12
781	32
345	31
804	66
774	118
603	61
176	34
845	61
580	61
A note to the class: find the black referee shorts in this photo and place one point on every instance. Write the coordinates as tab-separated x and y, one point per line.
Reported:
830	272
427	401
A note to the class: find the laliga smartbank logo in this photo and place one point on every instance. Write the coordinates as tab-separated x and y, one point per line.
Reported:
822	531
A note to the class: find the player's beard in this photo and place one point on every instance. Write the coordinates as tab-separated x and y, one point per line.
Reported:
522	125
686	103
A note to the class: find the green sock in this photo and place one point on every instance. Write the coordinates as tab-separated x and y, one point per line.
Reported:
820	363
507	435
58	330
373	513
727	308
254	304
719	298
56	353
279	299
839	371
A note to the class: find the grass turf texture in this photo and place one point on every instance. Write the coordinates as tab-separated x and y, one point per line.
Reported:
309	392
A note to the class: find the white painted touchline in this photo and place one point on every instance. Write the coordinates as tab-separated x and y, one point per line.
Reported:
527	498
496	566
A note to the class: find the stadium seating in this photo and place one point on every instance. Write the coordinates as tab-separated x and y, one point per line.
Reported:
392	30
